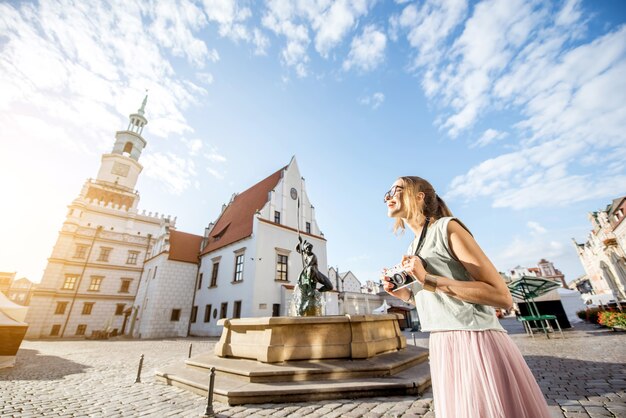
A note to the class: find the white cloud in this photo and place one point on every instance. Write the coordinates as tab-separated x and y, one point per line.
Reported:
92	63
536	228
527	251
230	18
333	24
193	145
215	173
429	26
205	78
375	100
488	137
533	60
367	51
214	156
329	22
174	172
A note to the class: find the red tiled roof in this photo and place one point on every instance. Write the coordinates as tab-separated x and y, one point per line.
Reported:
235	223
184	246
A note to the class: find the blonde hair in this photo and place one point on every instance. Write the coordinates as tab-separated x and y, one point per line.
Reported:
432	207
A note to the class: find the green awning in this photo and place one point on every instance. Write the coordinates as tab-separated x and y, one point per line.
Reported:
530	287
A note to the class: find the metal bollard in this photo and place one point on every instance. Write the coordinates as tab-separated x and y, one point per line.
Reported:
414	341
190	345
208	413
138	380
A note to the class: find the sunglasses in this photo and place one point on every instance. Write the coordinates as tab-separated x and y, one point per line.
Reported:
392	192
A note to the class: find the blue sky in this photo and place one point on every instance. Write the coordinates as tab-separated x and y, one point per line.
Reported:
514	110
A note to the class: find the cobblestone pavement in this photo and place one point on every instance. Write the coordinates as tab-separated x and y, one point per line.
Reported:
583	375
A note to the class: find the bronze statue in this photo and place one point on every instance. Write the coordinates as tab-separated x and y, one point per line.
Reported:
309	301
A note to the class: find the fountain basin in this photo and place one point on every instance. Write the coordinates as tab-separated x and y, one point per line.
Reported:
279	339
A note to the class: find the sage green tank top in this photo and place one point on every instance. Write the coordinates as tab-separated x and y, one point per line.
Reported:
438	311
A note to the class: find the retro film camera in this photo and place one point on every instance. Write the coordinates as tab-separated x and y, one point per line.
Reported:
399	277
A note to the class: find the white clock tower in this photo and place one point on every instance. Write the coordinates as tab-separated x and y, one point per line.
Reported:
92	276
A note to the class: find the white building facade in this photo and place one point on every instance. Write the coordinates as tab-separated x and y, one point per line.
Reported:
93	273
249	262
163	305
603	255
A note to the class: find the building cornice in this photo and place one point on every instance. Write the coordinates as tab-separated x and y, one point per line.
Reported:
93	265
77	235
93	295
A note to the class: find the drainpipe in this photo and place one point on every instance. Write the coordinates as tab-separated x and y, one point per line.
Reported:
193	300
80	279
143	267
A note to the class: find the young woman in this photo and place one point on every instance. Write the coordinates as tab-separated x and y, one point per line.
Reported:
476	369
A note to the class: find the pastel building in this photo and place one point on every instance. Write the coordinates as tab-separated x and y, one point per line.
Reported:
603	255
92	275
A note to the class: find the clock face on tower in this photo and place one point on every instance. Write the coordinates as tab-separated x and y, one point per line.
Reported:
293	193
120	169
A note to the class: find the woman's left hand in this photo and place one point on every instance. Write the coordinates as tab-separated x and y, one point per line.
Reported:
413	265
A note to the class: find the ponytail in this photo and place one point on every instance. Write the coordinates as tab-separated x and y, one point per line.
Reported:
442	209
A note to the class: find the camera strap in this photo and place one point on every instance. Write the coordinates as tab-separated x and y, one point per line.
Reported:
420	243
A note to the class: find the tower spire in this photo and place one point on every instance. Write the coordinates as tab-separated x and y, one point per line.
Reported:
142	109
137	120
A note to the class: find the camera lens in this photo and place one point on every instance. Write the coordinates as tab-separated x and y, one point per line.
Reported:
398	279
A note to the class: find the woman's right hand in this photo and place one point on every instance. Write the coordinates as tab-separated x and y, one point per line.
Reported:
402	294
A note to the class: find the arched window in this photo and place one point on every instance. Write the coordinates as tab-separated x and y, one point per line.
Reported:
128	148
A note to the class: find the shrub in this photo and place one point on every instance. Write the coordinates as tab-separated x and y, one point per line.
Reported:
589	315
612	319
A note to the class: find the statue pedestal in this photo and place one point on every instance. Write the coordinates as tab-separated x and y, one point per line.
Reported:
278	339
293	359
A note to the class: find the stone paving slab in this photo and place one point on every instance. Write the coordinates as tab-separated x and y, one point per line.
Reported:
581	375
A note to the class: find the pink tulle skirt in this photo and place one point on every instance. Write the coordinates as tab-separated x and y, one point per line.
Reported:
482	374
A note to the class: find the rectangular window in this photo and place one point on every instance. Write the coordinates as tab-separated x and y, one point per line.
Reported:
125	286
238	268
200	281
70	282
96	281
132	257
175	315
119	308
81	251
237	309
81	329
277	216
105	252
60	310
216	267
55	330
207	313
87	307
194	314
276	309
308	227
223	310
281	267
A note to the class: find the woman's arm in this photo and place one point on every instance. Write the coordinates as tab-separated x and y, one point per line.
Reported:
488	287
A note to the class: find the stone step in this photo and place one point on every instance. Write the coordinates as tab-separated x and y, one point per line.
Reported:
412	381
387	364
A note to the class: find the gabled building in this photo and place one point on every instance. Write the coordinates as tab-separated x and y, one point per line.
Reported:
249	263
163	305
344	282
21	291
93	273
603	255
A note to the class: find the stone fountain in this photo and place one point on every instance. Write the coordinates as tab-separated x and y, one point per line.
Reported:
306	357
